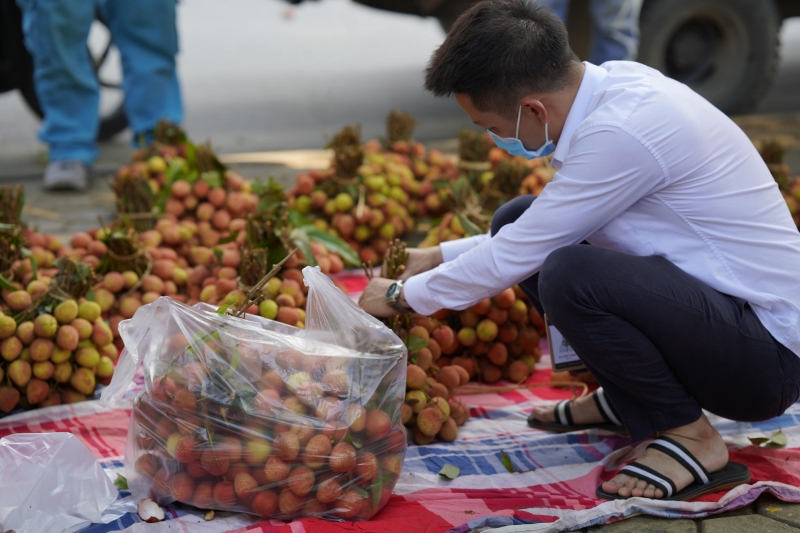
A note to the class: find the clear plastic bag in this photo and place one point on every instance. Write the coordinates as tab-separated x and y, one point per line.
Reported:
51	483
255	416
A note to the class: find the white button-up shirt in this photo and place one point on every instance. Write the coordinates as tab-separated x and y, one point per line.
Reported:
645	167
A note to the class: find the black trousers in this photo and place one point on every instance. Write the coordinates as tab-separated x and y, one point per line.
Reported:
662	344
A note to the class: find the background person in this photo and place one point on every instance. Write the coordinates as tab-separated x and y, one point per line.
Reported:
615	28
56	33
686	297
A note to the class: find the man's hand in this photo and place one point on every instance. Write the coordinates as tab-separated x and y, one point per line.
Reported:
373	299
421	260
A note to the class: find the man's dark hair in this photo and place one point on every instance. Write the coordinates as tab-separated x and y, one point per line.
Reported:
500	50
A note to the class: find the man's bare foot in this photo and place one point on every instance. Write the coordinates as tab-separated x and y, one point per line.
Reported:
700	438
584	411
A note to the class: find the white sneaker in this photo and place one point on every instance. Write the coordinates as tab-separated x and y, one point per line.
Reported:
67	175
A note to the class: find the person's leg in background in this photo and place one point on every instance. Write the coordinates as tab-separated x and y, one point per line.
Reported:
615	30
56	32
147	37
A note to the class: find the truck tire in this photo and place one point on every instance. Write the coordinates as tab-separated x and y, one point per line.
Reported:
726	50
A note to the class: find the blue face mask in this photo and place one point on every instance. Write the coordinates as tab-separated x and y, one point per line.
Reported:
515	147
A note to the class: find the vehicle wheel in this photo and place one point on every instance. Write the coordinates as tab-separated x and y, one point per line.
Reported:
726	50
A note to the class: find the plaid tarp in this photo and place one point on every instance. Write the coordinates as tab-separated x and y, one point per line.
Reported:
553	492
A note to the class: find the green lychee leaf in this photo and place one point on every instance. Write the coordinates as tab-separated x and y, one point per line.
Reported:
121	482
298	220
333	244
90	295
5	284
222	309
230	238
35	267
506	460
776	440
377	490
450	472
217	253
470	228
300	240
212	178
415	344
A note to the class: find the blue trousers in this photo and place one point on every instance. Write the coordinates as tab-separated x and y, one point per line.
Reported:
663	344
56	33
615	28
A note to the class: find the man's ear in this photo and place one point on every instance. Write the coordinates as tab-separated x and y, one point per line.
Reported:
536	109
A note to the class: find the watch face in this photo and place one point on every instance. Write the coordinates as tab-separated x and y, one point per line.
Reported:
391	291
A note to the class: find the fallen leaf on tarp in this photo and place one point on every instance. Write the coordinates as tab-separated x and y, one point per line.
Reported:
506	460
772	508
776	440
121	482
209	515
449	471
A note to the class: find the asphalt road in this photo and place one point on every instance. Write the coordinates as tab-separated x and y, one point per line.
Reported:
260	75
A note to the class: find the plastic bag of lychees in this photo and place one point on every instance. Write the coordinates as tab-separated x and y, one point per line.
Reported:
256	416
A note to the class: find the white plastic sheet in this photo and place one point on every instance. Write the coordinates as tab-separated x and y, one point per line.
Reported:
51	483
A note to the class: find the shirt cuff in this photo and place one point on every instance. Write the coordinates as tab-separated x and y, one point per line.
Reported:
452	249
415	291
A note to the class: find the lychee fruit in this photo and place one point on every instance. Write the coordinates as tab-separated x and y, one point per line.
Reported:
182	488
518	371
67	337
9	398
449	377
449	431
66	311
20	373
186	450
214	465
429	421
415	377
264	503
83	327
245	486
497	315
317	451
342	458
45	326
366	466
301	480
18	300
89	311
11	348
467	337
276	469
225	494
287	446
289	503
87	357
203	497
36	391
487	330
329	491
41	349
505	299
378	424
348	505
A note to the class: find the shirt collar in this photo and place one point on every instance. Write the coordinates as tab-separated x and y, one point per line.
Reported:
592	77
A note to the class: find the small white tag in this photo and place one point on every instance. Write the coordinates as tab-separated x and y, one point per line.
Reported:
562	355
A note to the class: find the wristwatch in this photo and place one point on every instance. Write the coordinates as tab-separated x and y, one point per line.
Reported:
393	297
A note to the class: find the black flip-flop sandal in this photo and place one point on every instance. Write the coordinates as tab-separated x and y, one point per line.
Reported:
733	475
564	423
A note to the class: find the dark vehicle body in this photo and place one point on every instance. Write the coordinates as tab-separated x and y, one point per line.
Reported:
726	50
